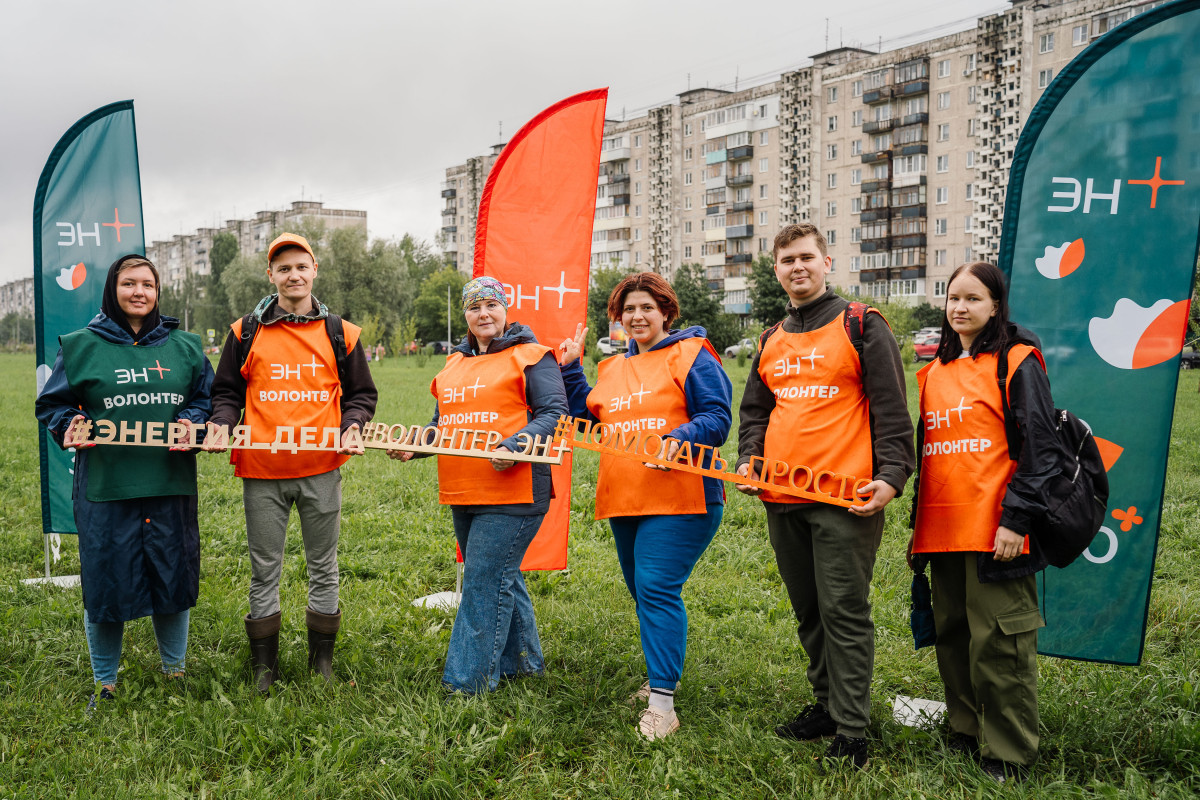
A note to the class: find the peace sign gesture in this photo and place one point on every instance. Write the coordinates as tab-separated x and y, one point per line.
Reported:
571	349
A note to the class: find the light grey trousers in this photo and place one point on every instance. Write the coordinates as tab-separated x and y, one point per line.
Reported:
318	501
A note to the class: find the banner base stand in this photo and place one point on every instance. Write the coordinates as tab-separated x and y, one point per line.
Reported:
917	712
444	601
65	581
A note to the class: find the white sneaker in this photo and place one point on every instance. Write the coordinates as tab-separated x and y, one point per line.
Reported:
656	724
642	695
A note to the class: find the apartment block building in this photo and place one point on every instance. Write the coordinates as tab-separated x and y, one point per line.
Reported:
901	158
189	253
16	297
461	192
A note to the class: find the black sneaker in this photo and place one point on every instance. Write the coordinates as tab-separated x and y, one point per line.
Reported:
813	722
1004	771
844	747
105	694
962	744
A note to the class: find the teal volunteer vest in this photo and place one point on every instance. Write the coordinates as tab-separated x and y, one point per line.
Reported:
132	385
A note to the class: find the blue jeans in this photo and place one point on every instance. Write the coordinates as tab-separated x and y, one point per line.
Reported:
657	555
495	634
104	644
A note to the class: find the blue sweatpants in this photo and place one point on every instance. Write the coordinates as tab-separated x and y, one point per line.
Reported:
657	555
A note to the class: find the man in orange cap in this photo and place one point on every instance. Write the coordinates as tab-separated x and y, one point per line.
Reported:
290	363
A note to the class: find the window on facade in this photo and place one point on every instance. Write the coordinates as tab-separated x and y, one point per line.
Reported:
856	147
910	165
1044	77
972	94
687	204
879	172
687	179
764	137
939	287
832	94
967	224
637	187
831	124
970	193
939	226
637	165
687	154
855	177
856	118
762	111
687	226
687	251
856	88
831	152
831	208
971	126
763	164
943	131
855	237
939	258
1046	43
943	100
637	234
762	191
637	258
881	141
970	158
637	211
831	237
941	195
1079	35
943	163
687	129
762	218
944	69
831	180
855	205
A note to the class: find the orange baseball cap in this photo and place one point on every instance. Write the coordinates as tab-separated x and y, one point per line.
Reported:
290	240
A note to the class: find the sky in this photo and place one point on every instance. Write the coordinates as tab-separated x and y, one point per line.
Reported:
245	106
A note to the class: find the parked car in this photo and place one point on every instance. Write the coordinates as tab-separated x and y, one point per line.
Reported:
927	350
1189	360
744	346
608	347
921	336
441	348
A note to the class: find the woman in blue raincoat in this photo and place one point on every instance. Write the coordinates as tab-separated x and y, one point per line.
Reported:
135	507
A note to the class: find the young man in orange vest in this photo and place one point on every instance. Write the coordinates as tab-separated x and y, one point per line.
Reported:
281	365
826	390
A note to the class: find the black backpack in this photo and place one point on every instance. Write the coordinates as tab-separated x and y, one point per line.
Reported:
333	329
1078	497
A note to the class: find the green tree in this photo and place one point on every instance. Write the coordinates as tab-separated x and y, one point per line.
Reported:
404	333
604	280
927	316
699	305
244	282
768	300
430	306
212	311
17	329
372	331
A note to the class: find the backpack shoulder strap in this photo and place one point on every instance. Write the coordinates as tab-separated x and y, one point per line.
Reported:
246	340
1011	432
853	319
762	339
337	337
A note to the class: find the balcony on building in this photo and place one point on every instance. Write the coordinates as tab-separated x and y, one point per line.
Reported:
913	149
741	180
912	88
909	240
907	273
716	285
878	126
880	245
620	199
880	95
738	231
715	183
448	190
920	118
714	260
715	157
744	205
712	210
872	275
737	308
451	246
909	211
741	153
615	154
738	258
715	273
449	229
618	178
873	214
868	187
881	155
449	211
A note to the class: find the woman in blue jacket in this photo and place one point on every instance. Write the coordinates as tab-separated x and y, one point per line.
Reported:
135	507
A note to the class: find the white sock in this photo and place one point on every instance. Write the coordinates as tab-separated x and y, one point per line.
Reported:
662	700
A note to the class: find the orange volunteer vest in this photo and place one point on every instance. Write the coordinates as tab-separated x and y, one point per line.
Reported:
821	417
643	394
965	467
485	393
291	379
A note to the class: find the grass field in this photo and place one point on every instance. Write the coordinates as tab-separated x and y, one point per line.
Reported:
385	729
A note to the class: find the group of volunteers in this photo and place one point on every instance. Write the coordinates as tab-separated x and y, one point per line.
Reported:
136	511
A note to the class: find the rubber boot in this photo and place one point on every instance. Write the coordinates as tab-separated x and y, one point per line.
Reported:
322	633
264	649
